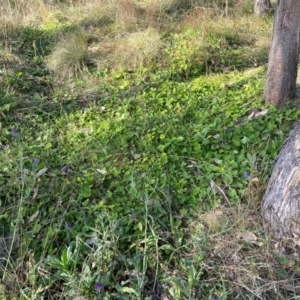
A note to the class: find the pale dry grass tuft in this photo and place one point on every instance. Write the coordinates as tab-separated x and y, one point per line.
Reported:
138	49
216	220
24	12
252	265
128	15
8	59
69	56
101	53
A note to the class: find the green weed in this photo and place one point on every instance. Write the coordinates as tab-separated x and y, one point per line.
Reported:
135	147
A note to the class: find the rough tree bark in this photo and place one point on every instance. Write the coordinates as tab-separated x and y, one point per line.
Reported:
262	7
281	203
284	52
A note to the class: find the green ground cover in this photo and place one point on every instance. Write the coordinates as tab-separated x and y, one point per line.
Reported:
123	143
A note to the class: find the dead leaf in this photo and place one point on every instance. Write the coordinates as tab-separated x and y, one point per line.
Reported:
289	287
236	259
247	236
31	219
291	263
35	192
102	172
259	244
135	155
41	172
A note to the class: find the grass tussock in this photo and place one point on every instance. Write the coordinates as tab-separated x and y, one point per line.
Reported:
147	34
138	50
70	55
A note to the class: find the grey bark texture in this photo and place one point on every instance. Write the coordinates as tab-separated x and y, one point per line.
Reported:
284	52
281	203
262	7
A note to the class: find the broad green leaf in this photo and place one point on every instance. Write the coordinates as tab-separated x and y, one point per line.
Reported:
85	190
164	158
236	140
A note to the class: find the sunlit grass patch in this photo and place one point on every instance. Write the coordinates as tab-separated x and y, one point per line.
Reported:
138	50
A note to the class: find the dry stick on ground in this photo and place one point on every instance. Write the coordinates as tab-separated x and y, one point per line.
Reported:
213	185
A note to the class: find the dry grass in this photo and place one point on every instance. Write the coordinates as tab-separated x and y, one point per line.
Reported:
252	265
138	50
68	58
25	13
127	34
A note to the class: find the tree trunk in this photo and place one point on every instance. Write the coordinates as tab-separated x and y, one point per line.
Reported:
281	203
284	52
262	7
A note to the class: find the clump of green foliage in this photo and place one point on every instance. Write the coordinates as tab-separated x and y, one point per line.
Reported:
135	147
